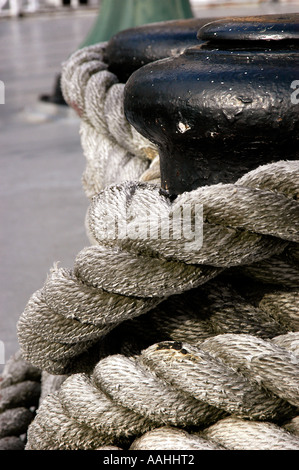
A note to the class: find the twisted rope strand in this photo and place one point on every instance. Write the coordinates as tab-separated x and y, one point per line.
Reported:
113	149
109	282
197	372
274	367
170	384
228	359
168	438
237	434
215	308
118	376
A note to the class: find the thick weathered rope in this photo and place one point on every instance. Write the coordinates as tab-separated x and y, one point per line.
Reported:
20	390
101	320
110	281
113	149
175	384
226	434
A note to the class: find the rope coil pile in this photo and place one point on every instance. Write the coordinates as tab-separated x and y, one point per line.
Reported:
109	282
113	149
157	340
173	384
20	389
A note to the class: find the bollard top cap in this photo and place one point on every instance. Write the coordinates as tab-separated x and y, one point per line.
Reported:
252	28
134	47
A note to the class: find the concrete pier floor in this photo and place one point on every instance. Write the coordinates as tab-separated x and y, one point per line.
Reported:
42	203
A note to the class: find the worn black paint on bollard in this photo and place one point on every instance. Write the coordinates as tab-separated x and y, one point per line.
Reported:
132	48
224	107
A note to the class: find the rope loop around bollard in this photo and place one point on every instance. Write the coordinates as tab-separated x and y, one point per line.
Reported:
157	337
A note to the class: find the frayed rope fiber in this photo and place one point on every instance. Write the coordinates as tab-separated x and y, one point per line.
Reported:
163	343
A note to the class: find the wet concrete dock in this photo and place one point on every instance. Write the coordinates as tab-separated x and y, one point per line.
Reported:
41	200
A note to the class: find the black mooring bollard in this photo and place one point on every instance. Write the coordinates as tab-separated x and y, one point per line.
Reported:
223	107
132	48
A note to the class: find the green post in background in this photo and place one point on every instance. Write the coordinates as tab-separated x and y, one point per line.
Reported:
117	15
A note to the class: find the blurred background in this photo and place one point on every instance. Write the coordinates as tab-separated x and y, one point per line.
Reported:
42	203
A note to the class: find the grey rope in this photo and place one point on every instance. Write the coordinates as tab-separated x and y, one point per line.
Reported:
226	434
113	149
177	385
233	433
20	389
109	282
231	359
168	438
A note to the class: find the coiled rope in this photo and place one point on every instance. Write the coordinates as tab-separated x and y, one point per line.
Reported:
110	281
101	320
178	385
113	149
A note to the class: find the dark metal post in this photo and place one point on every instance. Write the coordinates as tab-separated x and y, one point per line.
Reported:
224	107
